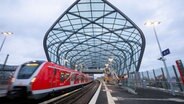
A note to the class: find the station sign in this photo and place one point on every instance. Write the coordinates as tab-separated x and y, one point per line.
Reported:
166	52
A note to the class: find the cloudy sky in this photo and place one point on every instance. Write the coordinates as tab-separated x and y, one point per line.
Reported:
30	19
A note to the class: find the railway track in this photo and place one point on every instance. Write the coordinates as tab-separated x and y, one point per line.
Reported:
79	96
17	101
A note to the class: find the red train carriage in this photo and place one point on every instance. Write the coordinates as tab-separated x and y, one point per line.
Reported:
37	79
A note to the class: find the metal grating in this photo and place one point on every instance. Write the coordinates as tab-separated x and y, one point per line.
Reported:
90	32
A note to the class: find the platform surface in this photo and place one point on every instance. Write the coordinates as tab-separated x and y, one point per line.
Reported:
143	96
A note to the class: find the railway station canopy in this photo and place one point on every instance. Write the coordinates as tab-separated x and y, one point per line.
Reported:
93	34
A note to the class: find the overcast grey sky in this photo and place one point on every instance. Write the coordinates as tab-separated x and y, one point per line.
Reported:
30	19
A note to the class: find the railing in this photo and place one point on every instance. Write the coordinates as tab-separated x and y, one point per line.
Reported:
156	78
5	77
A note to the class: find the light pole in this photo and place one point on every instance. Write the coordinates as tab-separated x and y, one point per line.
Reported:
5	34
153	24
76	66
110	64
65	62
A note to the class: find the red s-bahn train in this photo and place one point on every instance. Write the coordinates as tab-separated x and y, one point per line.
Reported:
36	79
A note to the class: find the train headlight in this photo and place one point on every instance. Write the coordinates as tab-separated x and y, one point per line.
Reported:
12	80
33	80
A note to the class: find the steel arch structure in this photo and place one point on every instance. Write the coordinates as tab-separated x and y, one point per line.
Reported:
90	32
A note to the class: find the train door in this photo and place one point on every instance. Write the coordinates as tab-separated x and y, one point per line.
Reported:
72	79
79	78
62	77
51	77
54	79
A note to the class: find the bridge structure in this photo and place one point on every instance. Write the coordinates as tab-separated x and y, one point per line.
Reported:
94	34
94	71
95	37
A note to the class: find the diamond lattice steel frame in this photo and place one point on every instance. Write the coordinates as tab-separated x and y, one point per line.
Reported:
90	32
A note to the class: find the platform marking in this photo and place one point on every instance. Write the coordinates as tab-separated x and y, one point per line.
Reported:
109	96
115	98
95	97
148	99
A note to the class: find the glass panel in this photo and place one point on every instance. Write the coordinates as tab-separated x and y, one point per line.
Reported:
27	70
62	77
152	78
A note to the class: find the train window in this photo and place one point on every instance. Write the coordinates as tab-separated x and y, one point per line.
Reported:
79	78
73	77
62	77
27	70
67	75
82	78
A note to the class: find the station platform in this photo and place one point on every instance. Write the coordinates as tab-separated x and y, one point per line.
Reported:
114	94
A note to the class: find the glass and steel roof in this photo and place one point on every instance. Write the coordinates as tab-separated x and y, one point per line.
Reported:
91	32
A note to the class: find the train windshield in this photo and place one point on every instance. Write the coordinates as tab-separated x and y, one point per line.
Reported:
27	70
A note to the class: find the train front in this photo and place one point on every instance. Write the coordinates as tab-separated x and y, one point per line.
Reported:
23	78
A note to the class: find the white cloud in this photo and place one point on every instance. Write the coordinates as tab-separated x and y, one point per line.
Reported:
21	49
30	19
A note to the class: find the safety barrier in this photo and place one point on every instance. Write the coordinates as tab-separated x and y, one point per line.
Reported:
156	78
